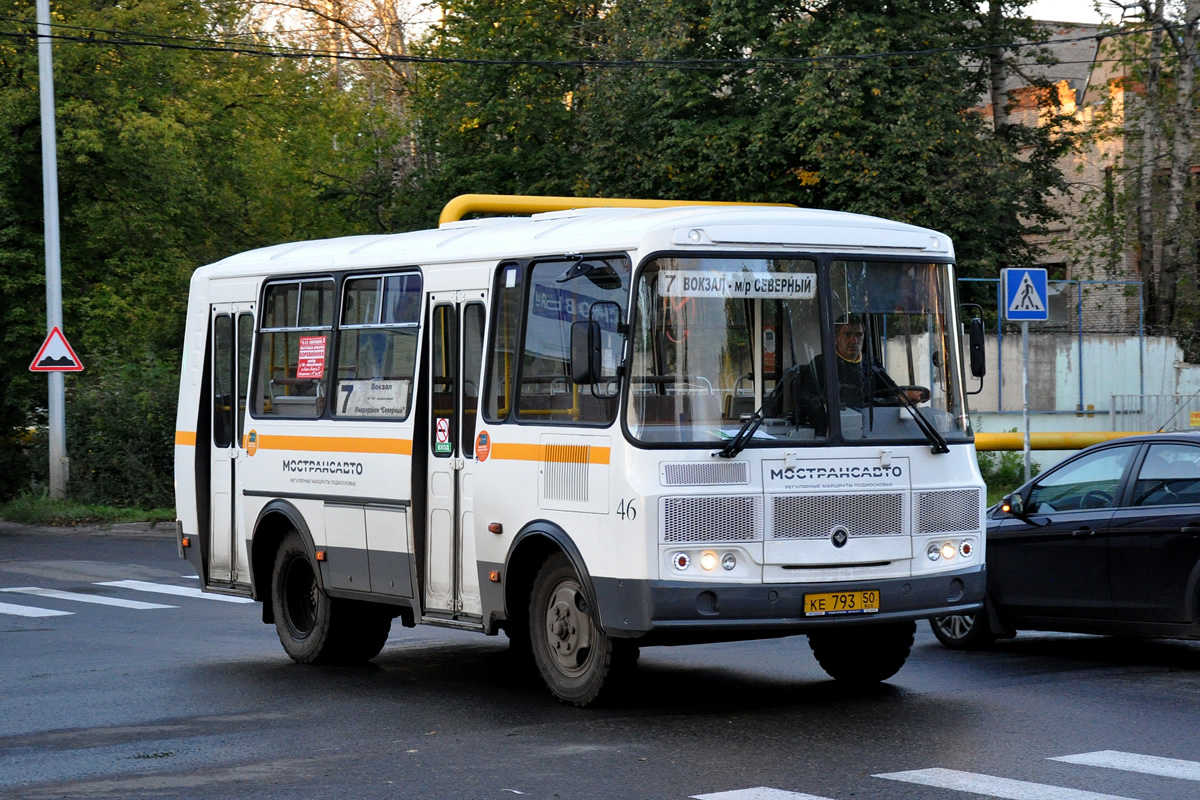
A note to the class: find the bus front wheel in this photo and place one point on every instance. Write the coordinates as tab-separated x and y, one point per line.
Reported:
863	654
572	653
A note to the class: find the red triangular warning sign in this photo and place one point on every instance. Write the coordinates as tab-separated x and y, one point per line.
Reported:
56	355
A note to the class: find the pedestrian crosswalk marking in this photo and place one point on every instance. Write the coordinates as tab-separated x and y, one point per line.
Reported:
759	793
991	786
86	598
1132	762
181	591
30	611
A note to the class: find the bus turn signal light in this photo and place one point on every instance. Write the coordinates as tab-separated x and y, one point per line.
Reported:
187	541
320	555
494	576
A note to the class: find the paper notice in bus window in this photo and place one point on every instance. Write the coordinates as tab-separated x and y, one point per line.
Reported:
311	363
713	283
373	398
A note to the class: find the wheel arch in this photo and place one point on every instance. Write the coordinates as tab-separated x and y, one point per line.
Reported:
533	544
275	521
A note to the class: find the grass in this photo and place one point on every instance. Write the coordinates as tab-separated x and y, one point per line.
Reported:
40	509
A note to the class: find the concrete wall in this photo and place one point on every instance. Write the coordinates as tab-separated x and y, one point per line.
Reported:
1066	378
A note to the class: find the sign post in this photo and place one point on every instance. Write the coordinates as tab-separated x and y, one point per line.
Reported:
57	393
1026	297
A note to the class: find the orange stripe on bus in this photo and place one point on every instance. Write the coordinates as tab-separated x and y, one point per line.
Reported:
186	438
335	444
556	452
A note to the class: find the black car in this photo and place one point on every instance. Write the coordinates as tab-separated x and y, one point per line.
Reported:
1107	541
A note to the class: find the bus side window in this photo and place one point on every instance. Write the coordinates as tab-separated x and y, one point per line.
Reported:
293	349
472	344
506	326
561	293
377	346
443	368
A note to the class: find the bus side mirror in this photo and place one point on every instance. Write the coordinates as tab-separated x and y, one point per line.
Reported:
975	345
586	361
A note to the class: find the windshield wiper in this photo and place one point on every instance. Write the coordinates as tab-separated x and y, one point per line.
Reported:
745	433
937	442
738	443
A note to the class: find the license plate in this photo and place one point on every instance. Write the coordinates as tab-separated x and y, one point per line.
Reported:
832	603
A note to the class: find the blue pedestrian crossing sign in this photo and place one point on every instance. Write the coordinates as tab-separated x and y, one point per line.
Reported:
1026	298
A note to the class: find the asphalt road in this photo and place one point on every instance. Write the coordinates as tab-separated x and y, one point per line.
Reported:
194	698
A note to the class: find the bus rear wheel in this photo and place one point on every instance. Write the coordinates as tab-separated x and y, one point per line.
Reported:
865	654
572	653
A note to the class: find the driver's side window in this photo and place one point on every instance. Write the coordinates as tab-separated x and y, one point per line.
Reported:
1088	482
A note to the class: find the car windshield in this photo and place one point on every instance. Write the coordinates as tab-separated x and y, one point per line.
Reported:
716	339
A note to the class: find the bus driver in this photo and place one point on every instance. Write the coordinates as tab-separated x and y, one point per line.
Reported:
859	385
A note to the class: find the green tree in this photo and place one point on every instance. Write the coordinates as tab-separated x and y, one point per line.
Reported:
498	128
899	137
1147	203
168	158
753	100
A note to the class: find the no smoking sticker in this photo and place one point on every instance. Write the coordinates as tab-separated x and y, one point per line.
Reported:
441	443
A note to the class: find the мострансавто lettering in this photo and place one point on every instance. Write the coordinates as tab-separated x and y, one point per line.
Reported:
835	473
326	467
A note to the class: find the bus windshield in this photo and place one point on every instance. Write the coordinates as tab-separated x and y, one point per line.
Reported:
716	341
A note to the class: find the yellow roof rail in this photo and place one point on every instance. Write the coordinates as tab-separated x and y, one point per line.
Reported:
465	204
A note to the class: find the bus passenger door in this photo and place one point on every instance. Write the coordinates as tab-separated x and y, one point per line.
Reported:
232	334
455	359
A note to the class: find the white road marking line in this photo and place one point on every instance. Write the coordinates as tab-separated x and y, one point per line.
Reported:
86	598
1132	762
181	591
992	786
30	611
758	793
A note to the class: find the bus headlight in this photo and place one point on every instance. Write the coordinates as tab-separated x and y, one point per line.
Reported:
949	551
933	552
729	561
708	560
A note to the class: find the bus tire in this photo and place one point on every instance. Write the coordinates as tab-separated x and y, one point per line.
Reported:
304	614
572	652
863	654
367	628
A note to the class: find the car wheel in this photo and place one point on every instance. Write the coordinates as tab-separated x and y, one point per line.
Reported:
962	631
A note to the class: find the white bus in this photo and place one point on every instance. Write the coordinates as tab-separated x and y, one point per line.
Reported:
596	429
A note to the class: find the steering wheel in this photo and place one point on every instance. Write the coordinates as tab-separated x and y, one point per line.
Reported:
1096	499
887	396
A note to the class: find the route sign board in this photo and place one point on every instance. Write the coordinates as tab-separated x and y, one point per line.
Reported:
56	355
1026	295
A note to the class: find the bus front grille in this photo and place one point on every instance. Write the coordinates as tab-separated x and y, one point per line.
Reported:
947	511
695	473
805	516
712	519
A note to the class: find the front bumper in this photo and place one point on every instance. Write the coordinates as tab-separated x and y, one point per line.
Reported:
690	612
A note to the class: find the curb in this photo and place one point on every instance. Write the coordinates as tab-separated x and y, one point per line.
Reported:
166	529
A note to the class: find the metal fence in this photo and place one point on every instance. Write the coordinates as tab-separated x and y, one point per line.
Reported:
1095	333
1075	307
1152	412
